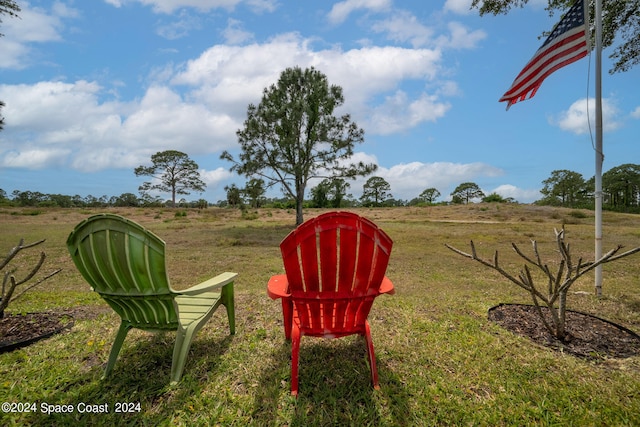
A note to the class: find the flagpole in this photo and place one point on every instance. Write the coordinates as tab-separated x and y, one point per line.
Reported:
599	152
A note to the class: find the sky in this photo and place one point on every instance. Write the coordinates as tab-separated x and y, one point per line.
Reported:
94	88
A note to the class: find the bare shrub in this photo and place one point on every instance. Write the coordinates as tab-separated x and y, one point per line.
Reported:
557	283
9	281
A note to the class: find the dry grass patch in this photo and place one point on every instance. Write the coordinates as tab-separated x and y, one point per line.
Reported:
440	361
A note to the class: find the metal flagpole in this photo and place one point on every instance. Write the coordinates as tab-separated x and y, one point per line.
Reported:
599	152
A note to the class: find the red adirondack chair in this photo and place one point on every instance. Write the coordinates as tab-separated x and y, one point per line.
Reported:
335	267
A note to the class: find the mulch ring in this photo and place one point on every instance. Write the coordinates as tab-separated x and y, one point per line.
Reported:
589	336
20	330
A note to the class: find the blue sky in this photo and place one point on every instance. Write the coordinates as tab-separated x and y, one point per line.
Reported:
93	89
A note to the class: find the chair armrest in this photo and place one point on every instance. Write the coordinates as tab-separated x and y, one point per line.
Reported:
278	287
210	285
386	287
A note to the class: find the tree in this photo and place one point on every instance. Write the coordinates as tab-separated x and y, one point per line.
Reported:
234	195
125	199
621	185
564	188
329	193
496	198
467	191
320	194
375	191
620	24
338	191
254	190
292	136
429	195
174	172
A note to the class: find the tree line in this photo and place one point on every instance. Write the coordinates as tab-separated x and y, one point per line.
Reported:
620	189
564	188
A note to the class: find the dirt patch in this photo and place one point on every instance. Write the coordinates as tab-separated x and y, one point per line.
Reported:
590	337
19	330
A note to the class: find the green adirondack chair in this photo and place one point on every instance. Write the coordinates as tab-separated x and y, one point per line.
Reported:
125	264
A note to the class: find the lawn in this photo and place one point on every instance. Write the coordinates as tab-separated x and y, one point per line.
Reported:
440	361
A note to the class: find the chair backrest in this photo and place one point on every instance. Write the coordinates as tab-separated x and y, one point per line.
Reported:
335	264
125	264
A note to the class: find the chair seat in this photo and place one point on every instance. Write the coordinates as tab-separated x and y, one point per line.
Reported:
192	308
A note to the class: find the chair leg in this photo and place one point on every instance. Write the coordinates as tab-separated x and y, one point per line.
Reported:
372	357
295	356
228	300
184	337
287	316
115	348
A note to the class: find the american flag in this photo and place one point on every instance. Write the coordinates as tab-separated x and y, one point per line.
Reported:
566	44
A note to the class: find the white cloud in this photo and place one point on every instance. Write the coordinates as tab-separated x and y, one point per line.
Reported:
581	116
228	78
408	180
47	106
405	27
234	34
398	113
164	119
169	6
70	117
214	178
636	113
341	10
34	158
198	107
462	7
460	37
518	194
35	25
179	28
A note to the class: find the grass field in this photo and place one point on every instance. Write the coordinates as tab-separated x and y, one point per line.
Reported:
440	361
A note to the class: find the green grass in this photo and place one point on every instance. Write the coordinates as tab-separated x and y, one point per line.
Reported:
440	361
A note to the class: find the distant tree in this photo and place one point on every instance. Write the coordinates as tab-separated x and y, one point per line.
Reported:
564	188
60	200
174	173
338	191
96	202
329	193
151	201
467	191
124	200
429	195
621	184
375	191
234	195
620	25
254	190
496	198
28	198
320	194
293	136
